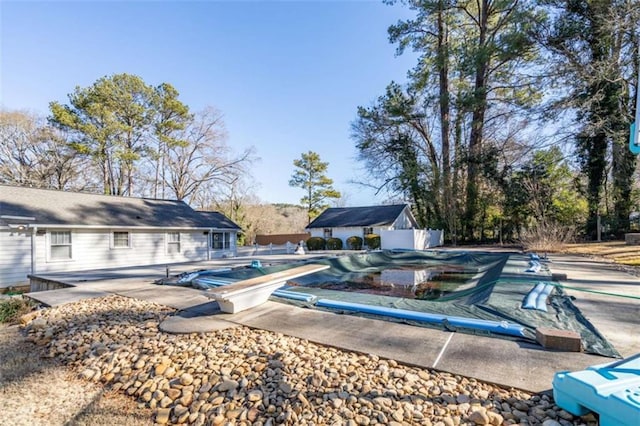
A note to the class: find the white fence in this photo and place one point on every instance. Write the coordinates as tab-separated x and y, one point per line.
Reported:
411	239
257	250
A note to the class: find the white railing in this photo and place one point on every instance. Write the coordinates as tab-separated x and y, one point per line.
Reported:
268	249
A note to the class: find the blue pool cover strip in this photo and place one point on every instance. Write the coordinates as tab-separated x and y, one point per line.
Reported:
294	295
500	327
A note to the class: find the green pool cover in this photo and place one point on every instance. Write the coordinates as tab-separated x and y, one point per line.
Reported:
479	285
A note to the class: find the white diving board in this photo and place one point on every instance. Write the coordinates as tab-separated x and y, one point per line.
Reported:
247	294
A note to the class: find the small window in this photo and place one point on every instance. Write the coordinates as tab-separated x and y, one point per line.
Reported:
121	240
173	242
60	245
367	231
328	233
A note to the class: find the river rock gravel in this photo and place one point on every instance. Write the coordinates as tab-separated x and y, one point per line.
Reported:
244	376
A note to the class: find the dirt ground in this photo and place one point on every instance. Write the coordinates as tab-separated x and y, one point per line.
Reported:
62	398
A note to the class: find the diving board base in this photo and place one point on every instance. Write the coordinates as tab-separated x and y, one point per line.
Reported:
246	294
242	301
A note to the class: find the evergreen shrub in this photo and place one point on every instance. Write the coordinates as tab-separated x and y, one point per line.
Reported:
334	244
372	241
354	243
316	243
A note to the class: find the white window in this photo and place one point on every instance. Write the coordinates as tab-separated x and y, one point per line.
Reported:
221	240
173	242
60	245
367	231
121	240
328	233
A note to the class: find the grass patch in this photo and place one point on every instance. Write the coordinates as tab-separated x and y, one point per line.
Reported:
12	309
13	290
616	251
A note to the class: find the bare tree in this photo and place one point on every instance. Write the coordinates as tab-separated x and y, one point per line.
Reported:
35	154
204	159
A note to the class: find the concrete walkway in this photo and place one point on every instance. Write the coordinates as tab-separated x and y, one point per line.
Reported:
502	361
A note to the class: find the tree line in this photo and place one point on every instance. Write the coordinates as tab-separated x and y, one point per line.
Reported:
122	136
515	118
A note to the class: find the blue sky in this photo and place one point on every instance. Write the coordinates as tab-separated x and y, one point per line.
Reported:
287	76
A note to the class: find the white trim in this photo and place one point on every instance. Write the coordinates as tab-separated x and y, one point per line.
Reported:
8	216
116	228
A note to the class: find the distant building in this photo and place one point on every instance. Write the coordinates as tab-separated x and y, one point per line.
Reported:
346	222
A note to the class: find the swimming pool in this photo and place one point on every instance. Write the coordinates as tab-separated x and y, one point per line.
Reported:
412	282
475	292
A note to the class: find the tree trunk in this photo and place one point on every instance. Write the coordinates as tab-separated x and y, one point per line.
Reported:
443	65
477	124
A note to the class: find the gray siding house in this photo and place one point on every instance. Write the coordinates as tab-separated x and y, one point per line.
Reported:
53	231
345	222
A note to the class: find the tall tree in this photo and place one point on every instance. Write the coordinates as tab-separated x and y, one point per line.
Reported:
429	34
395	140
595	47
310	176
172	116
109	122
500	45
470	81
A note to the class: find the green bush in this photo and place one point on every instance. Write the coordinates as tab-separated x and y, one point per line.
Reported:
12	309
334	244
354	243
316	243
372	241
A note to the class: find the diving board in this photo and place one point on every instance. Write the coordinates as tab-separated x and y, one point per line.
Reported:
246	294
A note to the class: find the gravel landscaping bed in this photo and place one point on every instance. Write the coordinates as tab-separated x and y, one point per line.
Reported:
101	352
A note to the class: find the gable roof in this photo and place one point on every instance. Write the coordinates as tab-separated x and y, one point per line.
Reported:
218	220
49	207
358	216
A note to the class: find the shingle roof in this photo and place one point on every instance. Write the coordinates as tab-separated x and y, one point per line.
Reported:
219	220
51	207
358	216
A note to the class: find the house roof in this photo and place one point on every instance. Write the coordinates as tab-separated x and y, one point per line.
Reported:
358	216
33	206
221	221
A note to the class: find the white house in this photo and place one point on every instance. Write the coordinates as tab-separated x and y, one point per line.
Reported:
346	222
52	231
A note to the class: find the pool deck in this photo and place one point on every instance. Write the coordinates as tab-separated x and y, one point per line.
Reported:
502	361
